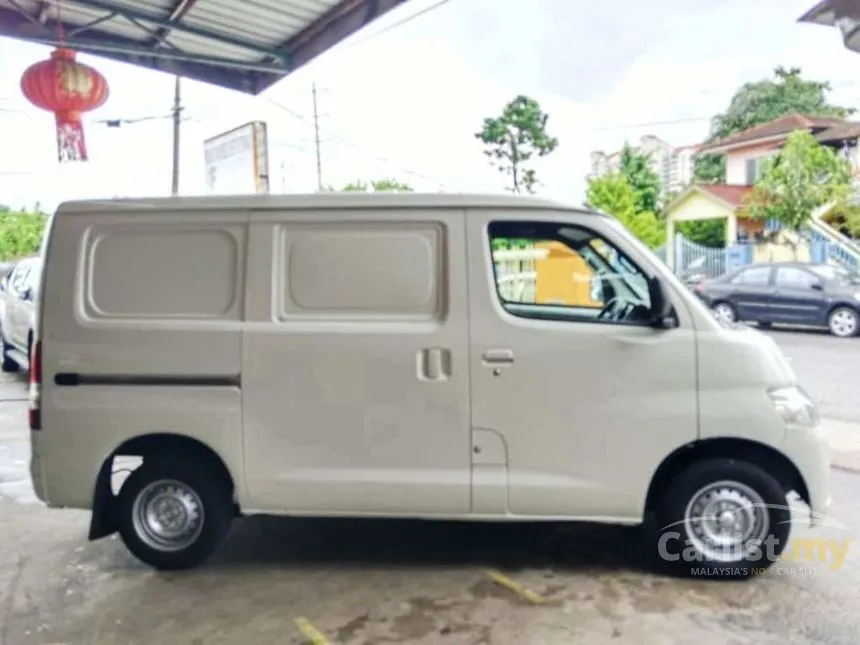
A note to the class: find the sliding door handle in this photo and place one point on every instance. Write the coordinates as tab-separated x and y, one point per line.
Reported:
498	357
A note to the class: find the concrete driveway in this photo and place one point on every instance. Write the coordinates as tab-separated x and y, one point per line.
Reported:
376	582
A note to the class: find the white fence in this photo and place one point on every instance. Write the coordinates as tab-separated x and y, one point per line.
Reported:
516	274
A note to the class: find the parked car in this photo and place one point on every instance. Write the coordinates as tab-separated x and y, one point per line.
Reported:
18	289
794	293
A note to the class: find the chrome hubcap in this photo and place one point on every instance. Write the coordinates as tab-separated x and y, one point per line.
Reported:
168	515
726	521
843	323
724	313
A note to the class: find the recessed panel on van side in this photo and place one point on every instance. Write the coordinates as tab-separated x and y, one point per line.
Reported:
355	372
142	328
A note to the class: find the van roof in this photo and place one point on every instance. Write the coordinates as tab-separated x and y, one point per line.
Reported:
316	200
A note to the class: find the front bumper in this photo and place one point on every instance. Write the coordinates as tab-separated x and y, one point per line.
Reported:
809	450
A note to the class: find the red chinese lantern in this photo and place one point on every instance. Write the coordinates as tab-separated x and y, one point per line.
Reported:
68	89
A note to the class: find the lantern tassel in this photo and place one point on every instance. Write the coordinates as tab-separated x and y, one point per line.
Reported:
71	145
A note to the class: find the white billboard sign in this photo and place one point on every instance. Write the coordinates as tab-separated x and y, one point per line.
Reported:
237	162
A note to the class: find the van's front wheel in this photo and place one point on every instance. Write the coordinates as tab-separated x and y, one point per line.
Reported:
173	513
723	518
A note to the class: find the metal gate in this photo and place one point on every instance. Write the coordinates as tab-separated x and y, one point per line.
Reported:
693	257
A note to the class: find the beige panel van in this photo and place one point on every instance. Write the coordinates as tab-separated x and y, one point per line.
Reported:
424	356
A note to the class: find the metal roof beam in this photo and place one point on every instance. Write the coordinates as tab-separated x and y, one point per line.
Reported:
176	13
79	30
16	26
160	21
336	25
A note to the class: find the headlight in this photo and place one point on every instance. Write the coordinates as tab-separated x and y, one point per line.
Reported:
794	406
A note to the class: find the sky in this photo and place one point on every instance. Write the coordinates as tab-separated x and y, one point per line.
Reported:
405	103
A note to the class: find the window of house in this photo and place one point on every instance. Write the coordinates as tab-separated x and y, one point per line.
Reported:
753	168
573	274
755	276
794	278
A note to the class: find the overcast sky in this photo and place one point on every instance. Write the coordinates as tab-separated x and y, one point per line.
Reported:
405	104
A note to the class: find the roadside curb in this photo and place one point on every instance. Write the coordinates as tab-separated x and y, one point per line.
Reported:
845	461
844	439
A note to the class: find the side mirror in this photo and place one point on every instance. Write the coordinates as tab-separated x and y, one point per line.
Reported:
27	294
662	311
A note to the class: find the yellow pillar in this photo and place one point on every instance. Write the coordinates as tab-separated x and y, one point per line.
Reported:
731	230
670	242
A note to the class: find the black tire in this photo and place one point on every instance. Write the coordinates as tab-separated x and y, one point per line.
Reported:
215	501
8	365
731	314
679	551
843	322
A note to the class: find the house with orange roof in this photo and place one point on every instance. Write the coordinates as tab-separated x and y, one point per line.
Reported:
745	153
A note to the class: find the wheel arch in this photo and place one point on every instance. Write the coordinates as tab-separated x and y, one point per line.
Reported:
759	454
103	521
842	304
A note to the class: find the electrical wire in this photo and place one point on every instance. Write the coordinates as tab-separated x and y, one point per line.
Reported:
351	144
395	25
694	119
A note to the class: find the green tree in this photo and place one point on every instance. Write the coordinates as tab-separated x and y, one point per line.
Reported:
637	169
762	101
21	231
613	194
376	186
512	139
801	177
707	232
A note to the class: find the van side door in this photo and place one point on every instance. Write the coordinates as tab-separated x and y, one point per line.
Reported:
585	395
356	362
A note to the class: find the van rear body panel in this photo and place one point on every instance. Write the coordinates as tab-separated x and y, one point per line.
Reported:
141	330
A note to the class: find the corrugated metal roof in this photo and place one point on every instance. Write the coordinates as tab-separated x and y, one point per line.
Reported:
244	45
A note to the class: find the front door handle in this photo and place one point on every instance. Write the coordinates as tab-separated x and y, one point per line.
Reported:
498	357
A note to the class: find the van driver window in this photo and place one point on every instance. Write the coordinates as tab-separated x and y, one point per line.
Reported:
555	271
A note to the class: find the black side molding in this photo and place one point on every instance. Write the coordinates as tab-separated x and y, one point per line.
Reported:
73	379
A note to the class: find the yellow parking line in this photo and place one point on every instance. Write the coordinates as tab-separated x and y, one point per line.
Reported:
523	592
311	633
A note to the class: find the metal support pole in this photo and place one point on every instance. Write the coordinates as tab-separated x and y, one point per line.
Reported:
177	120
317	137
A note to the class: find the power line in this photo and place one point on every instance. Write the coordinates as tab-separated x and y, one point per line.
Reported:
649	124
695	119
399	23
351	144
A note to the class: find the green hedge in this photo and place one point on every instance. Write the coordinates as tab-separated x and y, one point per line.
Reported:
21	232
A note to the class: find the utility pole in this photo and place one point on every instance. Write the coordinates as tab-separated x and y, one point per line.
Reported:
317	137
177	120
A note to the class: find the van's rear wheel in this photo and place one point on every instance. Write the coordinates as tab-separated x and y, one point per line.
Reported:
173	513
723	518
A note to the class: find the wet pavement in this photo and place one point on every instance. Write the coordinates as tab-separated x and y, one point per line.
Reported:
377	582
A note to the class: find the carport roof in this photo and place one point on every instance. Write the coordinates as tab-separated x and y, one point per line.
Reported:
245	45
